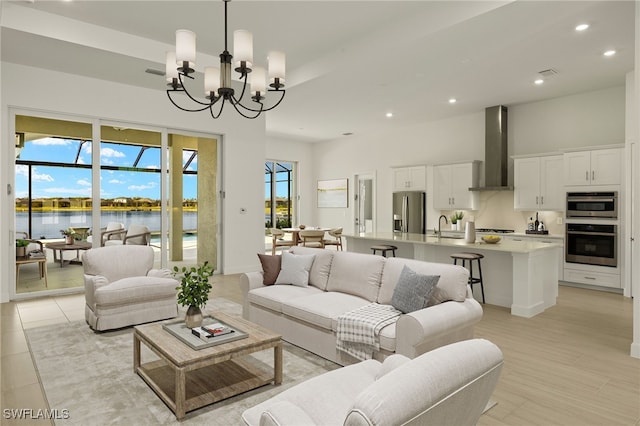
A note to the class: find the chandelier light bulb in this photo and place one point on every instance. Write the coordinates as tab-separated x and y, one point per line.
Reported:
258	82
211	80
243	48
185	48
276	67
171	68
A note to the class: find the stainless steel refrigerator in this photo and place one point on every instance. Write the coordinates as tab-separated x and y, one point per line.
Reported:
409	212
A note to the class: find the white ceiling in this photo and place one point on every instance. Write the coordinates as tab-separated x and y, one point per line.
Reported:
348	63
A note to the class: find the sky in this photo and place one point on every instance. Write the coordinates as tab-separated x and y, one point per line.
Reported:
74	182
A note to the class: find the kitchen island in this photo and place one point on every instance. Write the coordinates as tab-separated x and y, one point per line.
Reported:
520	275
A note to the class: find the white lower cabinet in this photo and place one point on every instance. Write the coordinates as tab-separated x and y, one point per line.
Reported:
601	279
543	239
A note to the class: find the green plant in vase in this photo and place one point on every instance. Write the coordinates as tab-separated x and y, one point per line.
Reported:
455	218
193	291
21	248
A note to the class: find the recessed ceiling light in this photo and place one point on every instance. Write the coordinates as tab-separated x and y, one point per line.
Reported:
609	53
453	100
582	27
538	81
389	114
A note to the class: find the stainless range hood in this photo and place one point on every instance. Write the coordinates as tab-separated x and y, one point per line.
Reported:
496	173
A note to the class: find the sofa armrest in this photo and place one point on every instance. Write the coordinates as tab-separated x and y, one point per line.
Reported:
285	413
249	281
91	284
160	273
421	331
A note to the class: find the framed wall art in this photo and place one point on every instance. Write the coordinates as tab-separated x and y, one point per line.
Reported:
333	193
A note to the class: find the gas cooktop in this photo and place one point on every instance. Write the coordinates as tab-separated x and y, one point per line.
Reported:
495	230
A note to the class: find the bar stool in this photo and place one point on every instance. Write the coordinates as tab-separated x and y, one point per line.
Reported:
384	248
471	257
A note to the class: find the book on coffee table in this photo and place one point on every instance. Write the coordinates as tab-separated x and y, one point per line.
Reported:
198	339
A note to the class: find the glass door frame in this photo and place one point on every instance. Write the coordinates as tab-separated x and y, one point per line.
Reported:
96	124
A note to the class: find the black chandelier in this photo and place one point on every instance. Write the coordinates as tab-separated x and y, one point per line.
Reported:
217	81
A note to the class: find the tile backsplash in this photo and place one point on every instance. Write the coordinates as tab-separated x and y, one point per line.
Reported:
496	211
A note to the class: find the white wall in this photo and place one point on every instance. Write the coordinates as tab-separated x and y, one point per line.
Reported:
582	120
243	149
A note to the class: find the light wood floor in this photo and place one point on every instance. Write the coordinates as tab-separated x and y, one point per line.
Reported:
567	366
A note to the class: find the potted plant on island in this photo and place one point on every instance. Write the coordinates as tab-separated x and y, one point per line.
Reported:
193	291
455	218
21	248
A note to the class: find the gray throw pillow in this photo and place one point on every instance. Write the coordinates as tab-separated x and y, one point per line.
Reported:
413	290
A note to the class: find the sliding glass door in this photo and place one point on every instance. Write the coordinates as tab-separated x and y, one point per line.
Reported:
55	162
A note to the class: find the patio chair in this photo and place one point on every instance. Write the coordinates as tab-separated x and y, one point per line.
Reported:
112	231
134	235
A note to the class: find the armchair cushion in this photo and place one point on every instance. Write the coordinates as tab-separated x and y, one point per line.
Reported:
135	289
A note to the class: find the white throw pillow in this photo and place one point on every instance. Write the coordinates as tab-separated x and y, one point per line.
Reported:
295	269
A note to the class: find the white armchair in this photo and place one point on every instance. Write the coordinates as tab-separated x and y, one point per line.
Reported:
450	385
123	289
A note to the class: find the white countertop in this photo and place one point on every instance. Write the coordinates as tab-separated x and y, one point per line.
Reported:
525	246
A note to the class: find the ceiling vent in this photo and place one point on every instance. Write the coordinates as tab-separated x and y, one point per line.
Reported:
548	73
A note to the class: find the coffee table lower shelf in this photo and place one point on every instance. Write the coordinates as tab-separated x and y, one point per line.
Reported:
205	385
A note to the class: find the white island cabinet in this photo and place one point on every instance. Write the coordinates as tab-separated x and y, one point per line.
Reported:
520	275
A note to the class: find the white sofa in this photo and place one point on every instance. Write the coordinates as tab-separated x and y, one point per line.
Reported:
343	281
450	385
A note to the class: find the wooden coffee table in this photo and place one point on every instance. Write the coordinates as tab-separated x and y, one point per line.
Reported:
186	379
61	247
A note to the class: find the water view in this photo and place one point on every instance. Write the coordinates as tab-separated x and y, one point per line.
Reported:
47	225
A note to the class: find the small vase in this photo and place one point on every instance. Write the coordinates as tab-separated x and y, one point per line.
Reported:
68	239
21	251
193	318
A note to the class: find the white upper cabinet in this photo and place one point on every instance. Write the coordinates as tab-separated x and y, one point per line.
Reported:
538	183
451	183
410	179
597	167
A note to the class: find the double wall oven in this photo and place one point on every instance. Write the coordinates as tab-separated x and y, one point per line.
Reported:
592	228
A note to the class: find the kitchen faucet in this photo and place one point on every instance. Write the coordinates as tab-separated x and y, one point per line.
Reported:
445	221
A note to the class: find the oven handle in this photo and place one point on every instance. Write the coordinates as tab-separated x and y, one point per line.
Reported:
605	234
590	199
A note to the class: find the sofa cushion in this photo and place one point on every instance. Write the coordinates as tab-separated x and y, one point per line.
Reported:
271	266
127	291
272	297
452	284
413	290
356	273
319	273
295	269
322	309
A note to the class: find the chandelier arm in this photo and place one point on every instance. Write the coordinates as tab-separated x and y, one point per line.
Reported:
184	89
262	108
219	111
182	108
244	86
235	105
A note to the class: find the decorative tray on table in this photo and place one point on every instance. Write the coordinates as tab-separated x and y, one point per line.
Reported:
179	329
